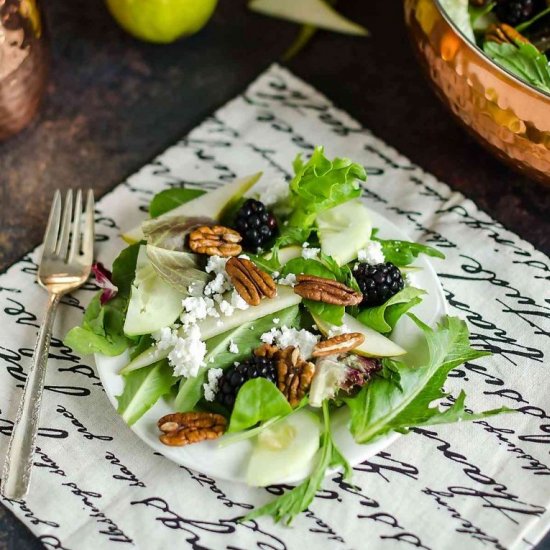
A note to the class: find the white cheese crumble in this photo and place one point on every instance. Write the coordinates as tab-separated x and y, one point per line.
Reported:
211	387
187	356
276	321
197	308
165	338
283	337
309	253
272	191
289	280
233	348
275	274
372	254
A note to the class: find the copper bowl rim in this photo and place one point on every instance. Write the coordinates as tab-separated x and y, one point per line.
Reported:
477	50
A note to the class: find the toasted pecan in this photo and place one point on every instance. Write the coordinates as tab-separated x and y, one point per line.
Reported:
250	281
338	344
215	240
325	290
190	427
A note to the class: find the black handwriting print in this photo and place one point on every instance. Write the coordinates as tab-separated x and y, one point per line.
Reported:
124	473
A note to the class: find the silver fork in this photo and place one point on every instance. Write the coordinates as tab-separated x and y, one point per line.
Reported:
65	265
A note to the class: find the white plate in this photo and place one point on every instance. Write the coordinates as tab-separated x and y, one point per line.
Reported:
230	462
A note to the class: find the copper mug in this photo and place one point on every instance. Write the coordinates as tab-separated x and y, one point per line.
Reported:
24	61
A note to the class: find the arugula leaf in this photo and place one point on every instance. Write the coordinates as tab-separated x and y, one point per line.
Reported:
320	184
258	399
384	318
381	406
286	507
143	388
402	253
171	198
330	313
522	59
293	235
102	328
246	337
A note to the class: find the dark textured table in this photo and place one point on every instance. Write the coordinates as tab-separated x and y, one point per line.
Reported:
113	103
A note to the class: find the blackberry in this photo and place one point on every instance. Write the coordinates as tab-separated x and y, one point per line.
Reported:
255	224
514	12
378	283
233	378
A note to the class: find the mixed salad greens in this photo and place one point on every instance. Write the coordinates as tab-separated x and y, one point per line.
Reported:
276	368
514	33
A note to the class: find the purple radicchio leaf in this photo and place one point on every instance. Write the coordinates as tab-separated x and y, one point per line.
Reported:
104	279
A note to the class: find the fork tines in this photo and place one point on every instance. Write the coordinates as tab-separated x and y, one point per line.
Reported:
65	238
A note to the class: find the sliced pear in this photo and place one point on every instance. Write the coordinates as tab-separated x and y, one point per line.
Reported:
375	344
211	326
153	303
286	254
344	230
282	450
212	204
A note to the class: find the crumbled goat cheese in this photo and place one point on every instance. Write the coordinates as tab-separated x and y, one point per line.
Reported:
211	387
216	264
283	337
196	309
372	254
272	191
289	280
275	274
244	257
237	301
165	338
276	321
310	253
218	285
336	331
226	308
233	348
187	356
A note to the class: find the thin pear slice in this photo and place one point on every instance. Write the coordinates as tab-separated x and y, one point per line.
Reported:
212	204
212	326
375	344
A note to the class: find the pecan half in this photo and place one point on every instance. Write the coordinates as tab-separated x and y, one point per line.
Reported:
215	240
328	291
338	344
250	281
294	374
504	33
190	427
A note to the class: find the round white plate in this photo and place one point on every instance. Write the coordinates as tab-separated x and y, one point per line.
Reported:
230	462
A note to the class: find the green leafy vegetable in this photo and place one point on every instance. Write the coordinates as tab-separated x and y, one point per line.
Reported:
381	406
522	59
477	13
178	269
143	388
246	337
391	371
320	184
403	253
384	318
526	24
102	327
286	507
330	313
171	198
258	400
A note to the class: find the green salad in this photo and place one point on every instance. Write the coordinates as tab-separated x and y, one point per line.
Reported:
513	33
257	315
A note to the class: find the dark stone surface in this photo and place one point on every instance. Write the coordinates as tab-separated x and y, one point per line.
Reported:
113	103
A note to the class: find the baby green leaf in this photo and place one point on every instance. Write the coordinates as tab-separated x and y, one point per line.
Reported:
384	318
402	253
143	388
381	406
170	198
258	399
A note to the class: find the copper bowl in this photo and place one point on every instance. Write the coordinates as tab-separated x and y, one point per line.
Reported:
508	116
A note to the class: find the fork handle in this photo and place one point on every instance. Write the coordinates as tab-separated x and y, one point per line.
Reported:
19	459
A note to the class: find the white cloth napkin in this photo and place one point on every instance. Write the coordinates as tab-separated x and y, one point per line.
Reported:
479	485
